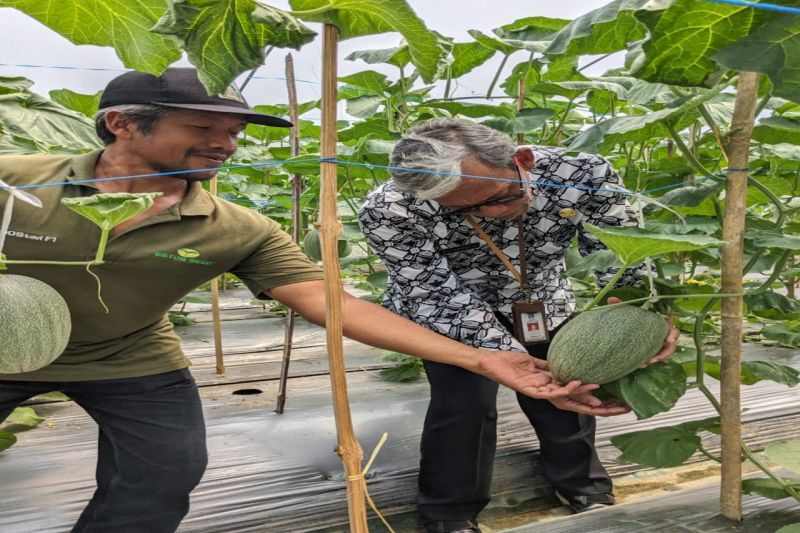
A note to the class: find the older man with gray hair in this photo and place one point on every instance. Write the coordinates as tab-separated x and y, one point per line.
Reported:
473	231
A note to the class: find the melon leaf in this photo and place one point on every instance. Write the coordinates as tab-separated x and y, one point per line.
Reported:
7	440
658	448
786	454
111	209
769	488
633	244
24	416
650	390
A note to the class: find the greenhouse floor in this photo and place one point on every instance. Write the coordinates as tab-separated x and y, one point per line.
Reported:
278	473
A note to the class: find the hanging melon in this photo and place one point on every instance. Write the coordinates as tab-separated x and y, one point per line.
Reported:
312	246
34	324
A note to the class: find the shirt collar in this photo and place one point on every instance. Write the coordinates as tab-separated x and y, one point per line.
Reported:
197	201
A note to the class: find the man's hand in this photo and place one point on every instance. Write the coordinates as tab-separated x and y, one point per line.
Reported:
528	375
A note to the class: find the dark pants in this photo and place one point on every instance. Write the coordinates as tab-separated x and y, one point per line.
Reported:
459	441
151	450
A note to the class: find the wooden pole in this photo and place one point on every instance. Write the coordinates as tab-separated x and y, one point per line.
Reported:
297	223
215	318
330	228
732	313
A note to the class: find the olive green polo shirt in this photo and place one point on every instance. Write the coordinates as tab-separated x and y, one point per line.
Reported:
147	268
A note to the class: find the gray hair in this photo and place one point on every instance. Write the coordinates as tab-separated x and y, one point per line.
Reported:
440	145
145	116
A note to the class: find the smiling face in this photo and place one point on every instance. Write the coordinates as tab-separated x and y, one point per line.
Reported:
476	196
187	140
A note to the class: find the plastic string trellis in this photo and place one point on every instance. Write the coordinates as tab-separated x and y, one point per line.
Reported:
759	5
368	165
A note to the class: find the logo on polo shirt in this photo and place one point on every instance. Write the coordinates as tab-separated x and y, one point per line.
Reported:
184	255
188	252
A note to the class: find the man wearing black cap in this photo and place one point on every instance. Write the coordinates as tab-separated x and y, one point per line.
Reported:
125	367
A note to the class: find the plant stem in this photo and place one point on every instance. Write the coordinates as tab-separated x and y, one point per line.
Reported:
709	396
496	77
764	468
608	287
693	161
709	454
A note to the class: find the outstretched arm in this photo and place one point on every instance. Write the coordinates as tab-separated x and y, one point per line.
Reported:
372	324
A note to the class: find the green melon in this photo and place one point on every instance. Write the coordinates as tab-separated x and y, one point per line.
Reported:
312	246
603	345
35	324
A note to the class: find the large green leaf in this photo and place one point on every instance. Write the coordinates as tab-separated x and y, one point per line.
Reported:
531	118
788	335
772	239
785	453
633	244
7	440
398	56
650	390
531	29
475	110
24	416
607	29
663	447
85	104
504	46
769	488
773	49
467	56
605	134
684	37
223	38
355	18
31	123
776	130
692	195
123	24
752	371
373	82
773	305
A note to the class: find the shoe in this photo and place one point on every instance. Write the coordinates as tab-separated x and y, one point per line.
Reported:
584	504
451	526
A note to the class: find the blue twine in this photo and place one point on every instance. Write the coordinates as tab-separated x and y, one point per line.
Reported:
759	5
354	163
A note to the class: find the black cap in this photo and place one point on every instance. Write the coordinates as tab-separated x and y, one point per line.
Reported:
180	87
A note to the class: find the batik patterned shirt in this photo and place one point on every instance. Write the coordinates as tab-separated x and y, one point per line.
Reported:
442	275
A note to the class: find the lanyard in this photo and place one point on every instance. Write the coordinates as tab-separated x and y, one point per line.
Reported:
521	275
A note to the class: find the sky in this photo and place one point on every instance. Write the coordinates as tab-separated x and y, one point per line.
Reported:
27	42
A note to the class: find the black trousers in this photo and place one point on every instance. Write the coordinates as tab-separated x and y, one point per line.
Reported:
459	440
151	449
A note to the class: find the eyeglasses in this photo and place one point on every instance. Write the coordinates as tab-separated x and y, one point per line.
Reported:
496	201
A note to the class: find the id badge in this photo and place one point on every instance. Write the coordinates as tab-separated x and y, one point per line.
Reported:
530	323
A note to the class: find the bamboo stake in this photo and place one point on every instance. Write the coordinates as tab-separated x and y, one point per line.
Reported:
297	223
217	323
330	228
732	312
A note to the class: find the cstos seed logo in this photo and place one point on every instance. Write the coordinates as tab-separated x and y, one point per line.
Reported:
188	252
184	255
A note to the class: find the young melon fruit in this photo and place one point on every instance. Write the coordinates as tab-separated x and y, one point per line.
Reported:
35	324
603	345
312	246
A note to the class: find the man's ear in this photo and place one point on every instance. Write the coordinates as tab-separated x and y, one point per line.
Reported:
525	157
120	125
